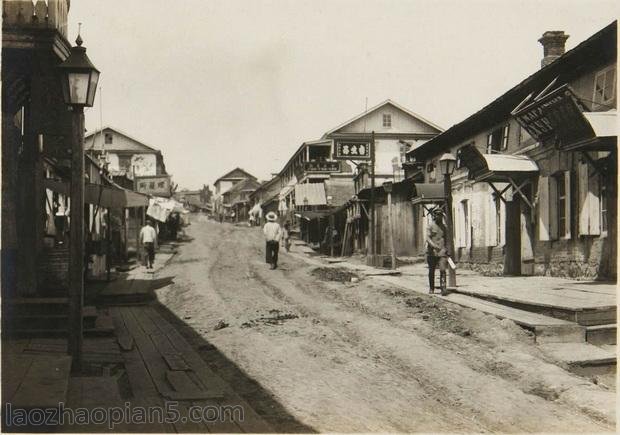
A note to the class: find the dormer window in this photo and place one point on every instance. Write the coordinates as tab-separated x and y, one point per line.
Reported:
108	138
605	86
387	120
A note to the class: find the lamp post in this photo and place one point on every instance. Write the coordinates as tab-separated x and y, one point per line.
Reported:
447	163
79	79
387	186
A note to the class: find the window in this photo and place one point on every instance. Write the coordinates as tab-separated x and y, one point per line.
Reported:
505	133
124	163
459	158
152	185
605	86
497	140
142	185
561	203
108	138
160	185
387	120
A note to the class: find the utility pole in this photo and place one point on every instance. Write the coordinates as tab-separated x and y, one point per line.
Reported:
372	198
447	183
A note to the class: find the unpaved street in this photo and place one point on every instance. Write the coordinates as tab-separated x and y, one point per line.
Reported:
311	354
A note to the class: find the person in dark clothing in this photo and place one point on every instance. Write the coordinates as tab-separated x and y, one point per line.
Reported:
437	253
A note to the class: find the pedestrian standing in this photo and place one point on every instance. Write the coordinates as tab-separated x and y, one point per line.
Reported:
437	254
148	238
273	233
286	237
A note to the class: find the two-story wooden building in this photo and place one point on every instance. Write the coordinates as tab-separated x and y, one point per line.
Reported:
221	204
126	156
534	192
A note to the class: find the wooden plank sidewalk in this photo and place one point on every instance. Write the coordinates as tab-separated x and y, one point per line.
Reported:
162	365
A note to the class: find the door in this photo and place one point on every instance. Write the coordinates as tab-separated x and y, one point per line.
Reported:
527	234
512	259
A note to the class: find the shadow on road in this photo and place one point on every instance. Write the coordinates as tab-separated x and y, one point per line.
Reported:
250	390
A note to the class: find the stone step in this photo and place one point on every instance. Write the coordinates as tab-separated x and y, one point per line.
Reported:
547	329
582	311
601	334
583	359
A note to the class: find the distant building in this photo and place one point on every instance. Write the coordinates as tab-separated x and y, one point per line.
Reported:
127	157
195	200
221	204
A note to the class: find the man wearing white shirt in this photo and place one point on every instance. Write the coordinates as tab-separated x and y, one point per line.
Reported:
273	233
148	238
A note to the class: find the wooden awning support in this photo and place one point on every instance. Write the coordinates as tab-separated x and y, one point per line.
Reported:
517	190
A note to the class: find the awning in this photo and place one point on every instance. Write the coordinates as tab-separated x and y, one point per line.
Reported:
288	188
102	195
256	210
428	193
518	171
160	208
314	193
496	167
312	215
604	133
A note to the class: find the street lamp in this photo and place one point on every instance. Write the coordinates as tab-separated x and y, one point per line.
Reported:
79	79
447	163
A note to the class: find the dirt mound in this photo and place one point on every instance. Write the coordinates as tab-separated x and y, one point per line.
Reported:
339	274
439	315
275	318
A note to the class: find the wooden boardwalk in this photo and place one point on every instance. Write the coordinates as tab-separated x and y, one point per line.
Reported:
162	366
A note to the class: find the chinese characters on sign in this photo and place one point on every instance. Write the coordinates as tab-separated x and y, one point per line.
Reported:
352	150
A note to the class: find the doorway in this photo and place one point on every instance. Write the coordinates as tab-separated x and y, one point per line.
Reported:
512	259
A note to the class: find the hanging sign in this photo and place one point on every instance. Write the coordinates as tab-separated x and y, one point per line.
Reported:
352	150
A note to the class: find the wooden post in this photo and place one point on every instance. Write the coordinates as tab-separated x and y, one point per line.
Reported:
372	198
76	244
391	230
108	259
447	186
331	235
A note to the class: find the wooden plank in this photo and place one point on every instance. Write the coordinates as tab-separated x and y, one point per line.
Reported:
123	337
14	369
252	421
175	361
152	359
45	383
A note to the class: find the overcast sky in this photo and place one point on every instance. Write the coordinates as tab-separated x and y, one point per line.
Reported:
220	84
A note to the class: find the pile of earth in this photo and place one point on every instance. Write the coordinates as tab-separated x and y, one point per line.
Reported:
339	274
275	318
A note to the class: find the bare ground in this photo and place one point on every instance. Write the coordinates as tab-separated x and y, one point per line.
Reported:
364	356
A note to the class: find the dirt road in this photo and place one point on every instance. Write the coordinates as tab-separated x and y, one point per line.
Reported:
311	354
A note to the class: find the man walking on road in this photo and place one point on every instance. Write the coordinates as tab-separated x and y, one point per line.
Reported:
148	238
436	251
273	233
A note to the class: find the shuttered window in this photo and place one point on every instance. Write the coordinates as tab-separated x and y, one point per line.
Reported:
589	201
554	212
561	203
544	233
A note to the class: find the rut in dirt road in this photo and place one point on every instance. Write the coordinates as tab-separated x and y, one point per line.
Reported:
366	357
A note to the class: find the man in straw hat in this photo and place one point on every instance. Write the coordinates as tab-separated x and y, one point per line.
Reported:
437	253
273	233
148	239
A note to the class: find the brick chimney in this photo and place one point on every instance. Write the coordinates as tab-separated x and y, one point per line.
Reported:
553	46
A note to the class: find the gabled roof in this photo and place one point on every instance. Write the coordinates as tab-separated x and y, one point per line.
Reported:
242	172
379	106
89	141
246	185
599	48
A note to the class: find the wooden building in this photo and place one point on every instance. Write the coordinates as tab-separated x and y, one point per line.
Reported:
534	192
